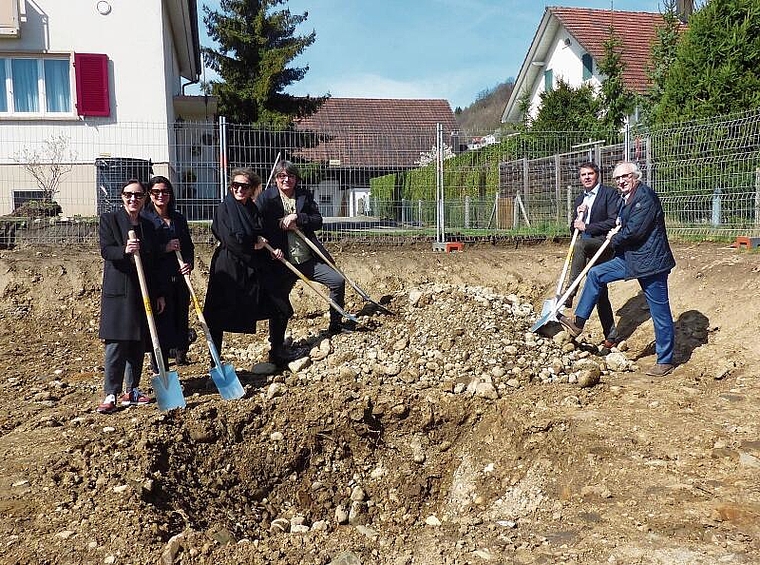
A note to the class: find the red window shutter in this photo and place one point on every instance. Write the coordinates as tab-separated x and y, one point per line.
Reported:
93	96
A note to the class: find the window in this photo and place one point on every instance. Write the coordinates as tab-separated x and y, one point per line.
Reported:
22	195
35	86
588	66
548	80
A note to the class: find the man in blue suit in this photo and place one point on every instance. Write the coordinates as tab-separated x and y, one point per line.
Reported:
642	252
596	211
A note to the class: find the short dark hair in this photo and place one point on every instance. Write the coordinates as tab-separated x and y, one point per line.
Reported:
589	165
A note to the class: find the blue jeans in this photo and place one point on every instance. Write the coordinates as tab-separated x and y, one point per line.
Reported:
655	289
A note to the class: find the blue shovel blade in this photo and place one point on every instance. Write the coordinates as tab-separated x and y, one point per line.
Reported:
168	391
227	382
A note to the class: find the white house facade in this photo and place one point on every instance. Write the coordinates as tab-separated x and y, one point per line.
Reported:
106	76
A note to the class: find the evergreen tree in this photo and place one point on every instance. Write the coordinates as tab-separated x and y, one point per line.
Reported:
617	101
567	109
256	43
663	56
717	66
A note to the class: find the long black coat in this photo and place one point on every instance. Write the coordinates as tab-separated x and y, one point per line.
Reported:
172	323
232	297
122	311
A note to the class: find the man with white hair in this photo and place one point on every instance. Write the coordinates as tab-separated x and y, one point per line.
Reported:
642	252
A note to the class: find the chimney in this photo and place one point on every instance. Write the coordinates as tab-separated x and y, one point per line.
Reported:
684	9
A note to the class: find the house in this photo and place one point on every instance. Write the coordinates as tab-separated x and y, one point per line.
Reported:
568	45
105	77
361	138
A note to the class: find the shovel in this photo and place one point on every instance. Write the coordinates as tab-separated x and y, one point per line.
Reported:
223	375
552	314
355	286
309	283
166	384
550	305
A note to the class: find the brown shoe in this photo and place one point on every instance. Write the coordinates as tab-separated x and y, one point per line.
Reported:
660	370
606	347
569	325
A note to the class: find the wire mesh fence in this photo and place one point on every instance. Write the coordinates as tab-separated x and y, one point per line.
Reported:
391	185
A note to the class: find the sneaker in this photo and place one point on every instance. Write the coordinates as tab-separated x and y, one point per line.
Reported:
108	405
660	370
135	398
283	355
569	325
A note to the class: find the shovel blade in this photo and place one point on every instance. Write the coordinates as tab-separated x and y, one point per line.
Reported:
168	391
548	314
227	382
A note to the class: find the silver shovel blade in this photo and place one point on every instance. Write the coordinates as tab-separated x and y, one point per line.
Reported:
227	382
168	391
548	314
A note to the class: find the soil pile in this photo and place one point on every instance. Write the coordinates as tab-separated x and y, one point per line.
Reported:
448	433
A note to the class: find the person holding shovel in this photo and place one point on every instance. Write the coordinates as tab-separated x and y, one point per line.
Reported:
234	295
285	207
123	323
642	251
596	211
173	234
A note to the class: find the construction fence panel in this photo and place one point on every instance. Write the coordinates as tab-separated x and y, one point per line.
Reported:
379	185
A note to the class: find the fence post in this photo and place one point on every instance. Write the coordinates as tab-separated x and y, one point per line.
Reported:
757	197
403	211
419	213
557	181
440	227
570	211
467	212
222	157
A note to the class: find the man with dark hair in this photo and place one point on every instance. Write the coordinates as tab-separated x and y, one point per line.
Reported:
642	252
596	211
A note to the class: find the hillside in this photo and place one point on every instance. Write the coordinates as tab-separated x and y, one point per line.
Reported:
484	115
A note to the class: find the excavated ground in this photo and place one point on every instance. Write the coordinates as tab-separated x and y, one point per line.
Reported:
447	434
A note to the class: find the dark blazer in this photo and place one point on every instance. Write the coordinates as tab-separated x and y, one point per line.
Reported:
642	240
122	311
309	218
603	213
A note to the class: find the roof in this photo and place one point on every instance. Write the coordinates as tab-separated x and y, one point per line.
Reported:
376	132
590	28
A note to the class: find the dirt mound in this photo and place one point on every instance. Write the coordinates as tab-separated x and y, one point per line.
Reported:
446	434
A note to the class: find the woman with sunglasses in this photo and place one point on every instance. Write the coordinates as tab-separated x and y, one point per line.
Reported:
233	301
123	325
173	234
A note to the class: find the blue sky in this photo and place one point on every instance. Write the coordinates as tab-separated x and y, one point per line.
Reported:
451	49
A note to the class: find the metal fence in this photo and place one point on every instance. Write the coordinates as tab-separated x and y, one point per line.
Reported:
396	185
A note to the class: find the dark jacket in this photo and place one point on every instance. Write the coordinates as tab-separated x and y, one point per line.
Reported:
232	298
309	219
603	213
172	323
642	240
122	310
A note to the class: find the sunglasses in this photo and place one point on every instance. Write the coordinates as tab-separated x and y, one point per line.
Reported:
160	192
136	195
234	185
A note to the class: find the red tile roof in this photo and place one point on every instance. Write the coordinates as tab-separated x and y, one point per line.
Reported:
369	132
636	31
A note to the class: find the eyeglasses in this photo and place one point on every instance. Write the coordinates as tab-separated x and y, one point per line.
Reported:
283	176
136	195
160	192
234	185
624	177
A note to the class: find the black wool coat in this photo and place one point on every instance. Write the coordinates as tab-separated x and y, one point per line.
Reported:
122	310
232	297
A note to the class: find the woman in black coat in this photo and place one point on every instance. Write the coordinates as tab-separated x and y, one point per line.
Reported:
233	298
123	324
173	234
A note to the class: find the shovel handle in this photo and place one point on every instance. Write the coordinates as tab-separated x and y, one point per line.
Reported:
199	312
567	259
149	314
301	276
582	274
